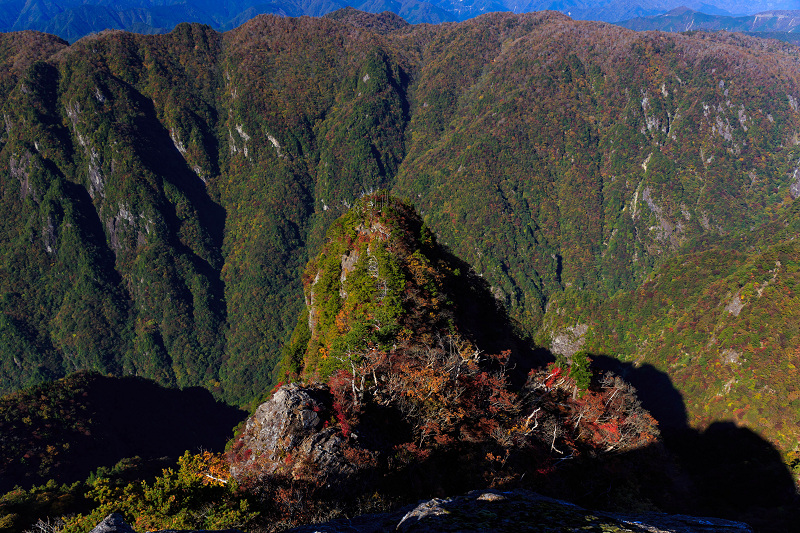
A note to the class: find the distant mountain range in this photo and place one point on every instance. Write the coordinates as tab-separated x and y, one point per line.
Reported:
73	19
685	19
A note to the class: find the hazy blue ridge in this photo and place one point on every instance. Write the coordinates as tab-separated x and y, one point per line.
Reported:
72	20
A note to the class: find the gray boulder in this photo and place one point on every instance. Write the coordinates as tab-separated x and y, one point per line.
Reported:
113	523
289	435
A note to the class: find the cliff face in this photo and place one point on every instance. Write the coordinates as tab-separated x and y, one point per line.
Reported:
379	279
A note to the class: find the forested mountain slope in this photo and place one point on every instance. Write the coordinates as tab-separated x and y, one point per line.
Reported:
570	163
161	194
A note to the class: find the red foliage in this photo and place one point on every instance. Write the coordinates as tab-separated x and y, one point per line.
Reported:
344	425
555	373
346	409
409	452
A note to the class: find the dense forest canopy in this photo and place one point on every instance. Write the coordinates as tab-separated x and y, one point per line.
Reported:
632	195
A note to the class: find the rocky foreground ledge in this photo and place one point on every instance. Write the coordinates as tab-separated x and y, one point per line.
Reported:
518	510
499	512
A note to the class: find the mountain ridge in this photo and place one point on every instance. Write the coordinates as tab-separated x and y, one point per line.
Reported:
685	19
72	20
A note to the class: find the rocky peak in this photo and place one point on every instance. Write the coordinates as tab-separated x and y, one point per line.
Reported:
379	271
382	281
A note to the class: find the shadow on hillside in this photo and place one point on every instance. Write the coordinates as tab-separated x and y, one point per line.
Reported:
654	389
724	471
140	417
485	321
119	418
156	149
728	472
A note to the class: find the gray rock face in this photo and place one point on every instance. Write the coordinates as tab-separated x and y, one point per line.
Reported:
570	341
113	523
288	434
519	510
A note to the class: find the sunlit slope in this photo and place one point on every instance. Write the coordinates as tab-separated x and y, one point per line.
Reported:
160	192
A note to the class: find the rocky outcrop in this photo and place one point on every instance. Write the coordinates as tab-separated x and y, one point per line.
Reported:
569	341
519	510
115	523
289	434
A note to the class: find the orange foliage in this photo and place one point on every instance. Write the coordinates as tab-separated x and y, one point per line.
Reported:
213	468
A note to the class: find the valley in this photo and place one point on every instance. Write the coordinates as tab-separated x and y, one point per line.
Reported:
596	192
